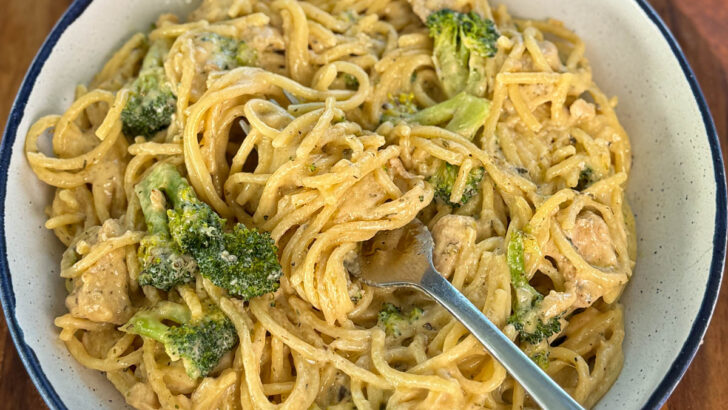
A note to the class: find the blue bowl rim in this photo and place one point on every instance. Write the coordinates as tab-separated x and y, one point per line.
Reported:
656	399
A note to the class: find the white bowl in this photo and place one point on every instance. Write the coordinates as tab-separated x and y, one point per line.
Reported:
677	191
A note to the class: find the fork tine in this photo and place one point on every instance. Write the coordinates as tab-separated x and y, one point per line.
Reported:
292	98
245	126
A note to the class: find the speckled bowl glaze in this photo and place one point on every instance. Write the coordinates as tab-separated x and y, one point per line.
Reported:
677	191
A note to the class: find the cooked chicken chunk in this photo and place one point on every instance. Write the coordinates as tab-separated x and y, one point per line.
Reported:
581	110
214	10
590	236
451	234
424	8
141	396
551	54
100	293
578	293
208	58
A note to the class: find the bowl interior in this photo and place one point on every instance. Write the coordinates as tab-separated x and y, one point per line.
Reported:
672	189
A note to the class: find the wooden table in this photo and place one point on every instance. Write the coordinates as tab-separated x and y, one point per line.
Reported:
701	27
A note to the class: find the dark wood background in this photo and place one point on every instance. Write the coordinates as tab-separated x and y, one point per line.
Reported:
701	27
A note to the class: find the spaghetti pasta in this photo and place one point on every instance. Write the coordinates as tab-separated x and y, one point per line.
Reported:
296	145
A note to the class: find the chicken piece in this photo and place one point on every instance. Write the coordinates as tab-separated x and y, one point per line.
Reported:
551	54
578	292
366	195
215	10
451	234
424	8
141	396
581	110
591	238
401	176
263	38
100	293
177	380
98	343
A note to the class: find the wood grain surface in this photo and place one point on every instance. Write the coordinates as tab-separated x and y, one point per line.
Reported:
701	27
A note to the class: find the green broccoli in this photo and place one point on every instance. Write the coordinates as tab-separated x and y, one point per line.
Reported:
227	53
399	107
194	225
350	81
244	262
164	265
586	178
527	319
541	358
393	320
200	344
462	42
462	114
151	102
444	179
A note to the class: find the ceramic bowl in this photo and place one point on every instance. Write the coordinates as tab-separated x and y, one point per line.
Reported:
677	191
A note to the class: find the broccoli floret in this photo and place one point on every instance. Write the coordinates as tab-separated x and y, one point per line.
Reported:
393	320
200	344
350	81
151	102
586	178
444	179
163	263
399	107
541	358
527	318
246	55
244	262
227	53
462	114
462	42
194	225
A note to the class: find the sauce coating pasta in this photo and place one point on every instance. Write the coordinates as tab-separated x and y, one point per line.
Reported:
297	142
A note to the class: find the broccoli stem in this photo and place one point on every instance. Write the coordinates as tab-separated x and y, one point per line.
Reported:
451	62
164	264
527	318
461	44
526	295
199	343
148	323
465	113
152	204
154	58
165	177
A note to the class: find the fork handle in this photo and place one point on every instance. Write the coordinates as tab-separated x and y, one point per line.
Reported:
539	385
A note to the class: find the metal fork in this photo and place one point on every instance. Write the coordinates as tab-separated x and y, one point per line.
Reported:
403	257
